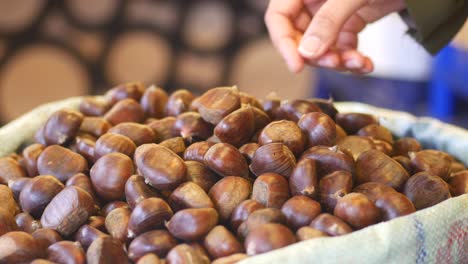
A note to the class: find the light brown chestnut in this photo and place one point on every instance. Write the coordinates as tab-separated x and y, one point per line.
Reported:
376	131
38	193
425	189
352	122
198	247
10	169
456	166
8	200
94	106
96	126
106	250
458	183
138	133
271	190
260	217
247	99
110	143
196	151
109	175
331	225
158	242
273	157
333	187
355	145
109	207
226	160
300	211
179	102
151	213
340	133
98	222
42	261
161	168
46	237
232	259
191	125
87	234
200	174
163	128
228	193
61	163
286	132
66	252
405	145
117	222
394	204
242	212
126	110
149	258
19	247
433	161
357	210
303	180
319	129
293	110
86	148
268	237
375	166
217	103
84	182
307	232
7	222
328	160
261	119
184	254
237	127
219	242
189	195
62	126
30	155
373	190
248	151
133	90
201	220
383	146
136	190
26	223
154	101
175	144
68	210
405	162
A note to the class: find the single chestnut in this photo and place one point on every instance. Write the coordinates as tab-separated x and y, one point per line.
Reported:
232	259
201	220
66	252
248	151
96	126
10	169
293	110
373	190
228	193
394	204
319	129
149	258
133	90
355	145
126	110
26	223
38	193
46	237
138	133
189	195
8	200
62	126
106	250
61	163
247	99
175	144
268	237
307	232
158	242
87	234
86	148
274	157
120	167
405	162
30	155
163	128
331	225
242	212
184	253
196	151
201	175
117	222
357	210
154	101
179	102
271	105
303	180
352	122
151	213
15	186
425	189
433	161
329	159
376	131
260	217
191	125
271	190
326	105
237	127
19	247
109	207
110	143
94	106
405	145
7	222
300	211
226	160
136	190
333	187
286	132
84	182
458	183
219	242
217	103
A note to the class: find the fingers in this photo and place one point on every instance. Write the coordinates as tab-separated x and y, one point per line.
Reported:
340	60
326	25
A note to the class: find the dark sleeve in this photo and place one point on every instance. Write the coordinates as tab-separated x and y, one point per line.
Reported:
434	23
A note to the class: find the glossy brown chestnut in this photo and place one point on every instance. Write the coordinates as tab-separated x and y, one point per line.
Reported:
106	250
8	200
30	155
261	119
94	106
352	122
10	169
271	104
248	151
232	259
228	193
355	145
303	180
110	143
201	220
226	160
376	131
217	103
158	242
184	254
405	162
373	190
179	102
192	126
273	157
175	144
68	210
84	182
319	129
149	258
300	211
19	247
117	222
200	174
242	212
151	213
286	132
259	218
96	126
15	186
331	225
405	145
109	207
109	175
126	110
219	242
66	252
433	161
326	105
62	126
328	160
271	190
133	90
237	127
425	189
333	187
26	223
7	222
189	195
154	101
196	151
86	148
357	210
293	110
37	194
307	232
138	133
458	183
268	237
46	237
247	99
163	128
136	190
87	234
394	204
61	163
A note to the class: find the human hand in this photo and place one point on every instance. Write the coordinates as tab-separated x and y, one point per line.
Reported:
324	32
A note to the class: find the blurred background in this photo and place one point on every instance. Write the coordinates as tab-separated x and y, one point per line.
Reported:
50	50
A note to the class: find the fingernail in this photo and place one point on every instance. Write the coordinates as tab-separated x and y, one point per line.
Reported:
309	46
327	62
354	64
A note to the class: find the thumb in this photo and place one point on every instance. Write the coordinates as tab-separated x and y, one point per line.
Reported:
325	26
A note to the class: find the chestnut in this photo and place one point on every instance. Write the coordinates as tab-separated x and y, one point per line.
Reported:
228	193
271	105
328	160
273	157
184	253
286	132
373	190
219	242
394	204
260	217
433	161
158	242
60	162
376	131
268	237
87	234
216	103
86	148
247	99
326	105
126	110
109	207
201	175
319	129
7	222
10	169
355	145
149	258
149	214
232	259
106	250
242	212
403	146
138	133
271	190
196	151
226	160
46	237
189	195
300	211
237	127
357	210
201	220
117	222
8	200
191	125
120	167
175	144
293	110
161	168
405	162
68	210
154	101
307	232
110	143
458	183
136	190
62	126
425	189
94	106
38	193
30	155
261	119
352	122
179	102
133	90
456	166
248	150
66	252
303	180
15	186
331	225
19	247
333	187
96	126
84	182
163	128
26	223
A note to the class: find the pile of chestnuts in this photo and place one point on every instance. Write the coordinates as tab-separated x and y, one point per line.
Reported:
141	176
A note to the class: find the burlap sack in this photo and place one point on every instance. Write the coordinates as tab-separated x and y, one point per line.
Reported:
435	235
